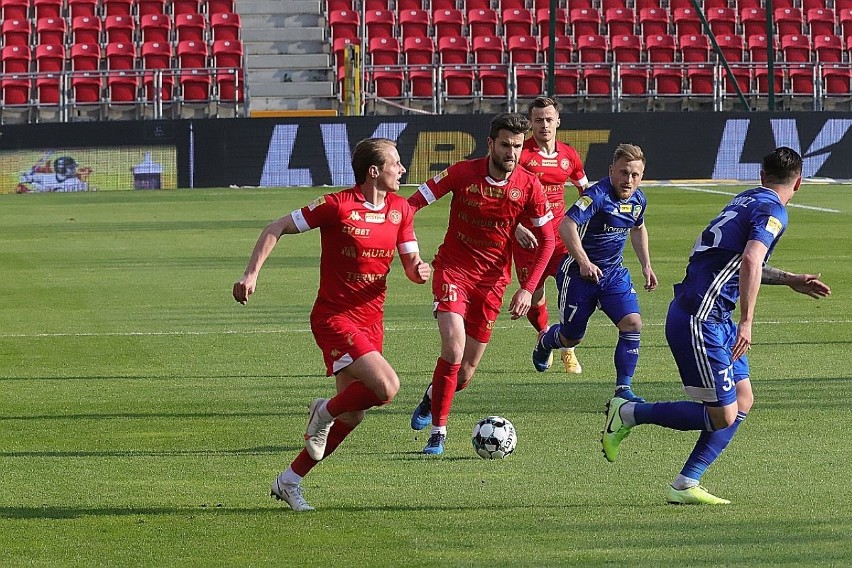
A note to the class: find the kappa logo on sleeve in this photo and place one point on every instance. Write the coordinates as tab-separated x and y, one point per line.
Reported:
316	203
773	226
583	203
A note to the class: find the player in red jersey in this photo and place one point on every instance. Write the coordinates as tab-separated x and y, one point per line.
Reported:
555	163
361	228
473	265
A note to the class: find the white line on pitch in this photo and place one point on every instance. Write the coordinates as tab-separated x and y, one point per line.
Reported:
731	193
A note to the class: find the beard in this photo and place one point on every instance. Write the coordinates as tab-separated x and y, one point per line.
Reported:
501	165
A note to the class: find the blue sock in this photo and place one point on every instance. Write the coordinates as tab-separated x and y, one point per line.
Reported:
678	415
550	339
626	357
708	447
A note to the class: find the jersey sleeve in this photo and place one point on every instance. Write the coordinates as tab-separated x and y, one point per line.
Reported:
767	223
537	208
577	174
585	207
321	211
406	241
435	188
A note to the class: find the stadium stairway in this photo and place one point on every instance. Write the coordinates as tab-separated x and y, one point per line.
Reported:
288	63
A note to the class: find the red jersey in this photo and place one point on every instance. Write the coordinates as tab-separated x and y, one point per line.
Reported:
483	216
359	241
554	171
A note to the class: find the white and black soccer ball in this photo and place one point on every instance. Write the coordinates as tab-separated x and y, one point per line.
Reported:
494	438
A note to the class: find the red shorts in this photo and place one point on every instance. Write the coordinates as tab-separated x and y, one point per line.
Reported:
524	260
343	340
477	302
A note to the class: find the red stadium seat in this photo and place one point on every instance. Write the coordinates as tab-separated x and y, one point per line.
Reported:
15	9
732	47
50	30
563	48
418	50
192	54
699	77
667	79
592	48
566	79
517	22
753	21
542	20
660	48
820	21
598	80
522	49
119	29
711	4
722	20
414	23
494	81
147	7
16	32
15	59
610	4
487	49
227	53
388	83
626	48
384	50
453	49
844	18
120	56
694	48
85	57
528	80
828	48
653	21
762	79
644	4
421	80
122	88
458	81
189	27
194	85
338	49
50	58
16	91
802	79
186	7
225	25
687	22
379	23
788	21
47	89
155	27
343	23
619	22
634	80
808	5
221	6
742	76
447	23
443	5
402	5
836	79
155	55
230	86
86	29
47	9
584	21
476	4
86	89
117	7
512	4
796	48
482	22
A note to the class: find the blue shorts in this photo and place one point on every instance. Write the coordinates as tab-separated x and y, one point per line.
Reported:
579	298
702	351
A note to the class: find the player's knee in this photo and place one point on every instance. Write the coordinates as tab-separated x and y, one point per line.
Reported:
387	388
631	323
745	401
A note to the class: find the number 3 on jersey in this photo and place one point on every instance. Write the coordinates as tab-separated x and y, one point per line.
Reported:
716	230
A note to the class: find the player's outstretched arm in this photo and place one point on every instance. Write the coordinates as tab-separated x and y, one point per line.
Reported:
245	286
415	269
807	284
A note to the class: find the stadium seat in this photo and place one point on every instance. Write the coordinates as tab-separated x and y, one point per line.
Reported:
610	4
676	4
17	91
742	76
119	29
836	79
194	85
828	48
788	21
86	29
633	80
50	30
418	50
487	49
86	89
453	49
458	81
388	83
442	5
120	56
757	45
192	54
413	23
584	22
802	79
844	18
528	80
47	9
85	57
122	88
225	25
619	22
660	48
563	48
15	9
482	22
640	5
343	23
384	50
820	22
542	21
761	75
626	48
47	89
148	7
476	4
842	5
227	53
155	27
494	80
667	79
190	27
653	21
15	59
220	6
808	5
598	80
16	32
699	78
116	7
402	5
753	21
732	47
517	22
566	79
379	23
186	7
513	4
592	48
686	22
722	20
338	49
421	81
230	86
447	23
796	48
155	55
711	4
694	48
50	58
522	49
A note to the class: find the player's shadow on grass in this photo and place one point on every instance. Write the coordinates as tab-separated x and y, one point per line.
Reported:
258	451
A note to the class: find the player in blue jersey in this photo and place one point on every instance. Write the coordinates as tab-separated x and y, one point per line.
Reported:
727	263
595	230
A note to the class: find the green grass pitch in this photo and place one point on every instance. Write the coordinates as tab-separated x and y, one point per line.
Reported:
144	413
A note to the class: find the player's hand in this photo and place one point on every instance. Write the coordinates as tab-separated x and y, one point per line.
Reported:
525	237
243	288
743	341
810	285
520	304
650	280
591	272
423	271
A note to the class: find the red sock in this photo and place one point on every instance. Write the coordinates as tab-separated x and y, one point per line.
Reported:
444	381
355	397
304	463
538	317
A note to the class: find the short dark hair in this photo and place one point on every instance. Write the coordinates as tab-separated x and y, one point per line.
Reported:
544	102
369	152
511	121
782	165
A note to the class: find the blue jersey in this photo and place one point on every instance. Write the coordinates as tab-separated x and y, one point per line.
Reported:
710	289
604	223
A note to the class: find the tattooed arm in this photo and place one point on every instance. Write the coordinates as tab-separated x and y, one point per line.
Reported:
808	284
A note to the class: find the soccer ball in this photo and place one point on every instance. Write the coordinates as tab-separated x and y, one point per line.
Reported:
494	438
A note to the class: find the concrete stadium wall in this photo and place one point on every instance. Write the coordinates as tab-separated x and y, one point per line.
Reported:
316	151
